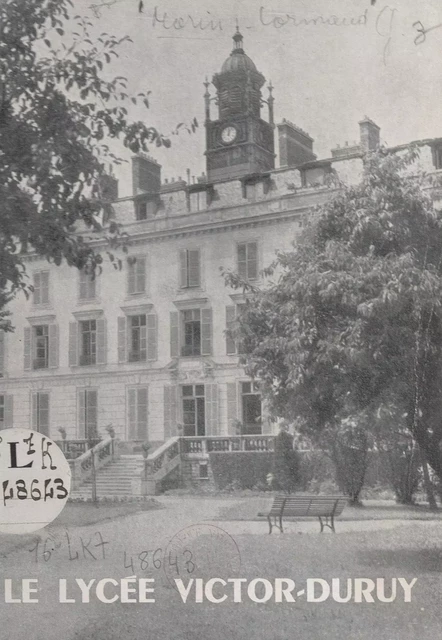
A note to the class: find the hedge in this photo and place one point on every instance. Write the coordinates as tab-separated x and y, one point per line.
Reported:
242	469
249	469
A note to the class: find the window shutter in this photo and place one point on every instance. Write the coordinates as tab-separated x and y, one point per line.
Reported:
44	413
9	406
252	261
92	284
140	274
81	414
174	335
91	430
122	339
170	411
242	260
53	346
2	353
132	401
232	408
44	287
142	408
40	413
183	268
230	322
101	341
212	415
194	276
37	288
73	347
83	285
27	348
131	281
152	337
35	411
206	332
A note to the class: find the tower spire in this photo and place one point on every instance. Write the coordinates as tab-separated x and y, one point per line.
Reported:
237	40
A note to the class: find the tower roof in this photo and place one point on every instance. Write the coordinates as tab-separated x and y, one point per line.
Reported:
238	60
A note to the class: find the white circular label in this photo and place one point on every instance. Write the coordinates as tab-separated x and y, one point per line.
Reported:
35	480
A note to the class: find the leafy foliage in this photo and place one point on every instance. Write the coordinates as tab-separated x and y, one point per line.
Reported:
59	110
352	321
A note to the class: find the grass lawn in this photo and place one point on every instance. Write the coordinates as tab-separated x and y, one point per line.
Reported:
79	514
410	551
247	509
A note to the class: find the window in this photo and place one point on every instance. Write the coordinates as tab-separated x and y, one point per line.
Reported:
41	347
251	408
41	287
191	328
198	200
137	338
136	274
138	412
251	188
40	344
191	333
194	419
141	211
88	342
87	289
190	268
40	412
248	260
88	413
87	339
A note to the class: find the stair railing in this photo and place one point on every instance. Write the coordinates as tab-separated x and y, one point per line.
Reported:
82	468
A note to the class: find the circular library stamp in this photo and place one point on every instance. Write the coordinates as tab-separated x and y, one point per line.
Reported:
35	480
201	551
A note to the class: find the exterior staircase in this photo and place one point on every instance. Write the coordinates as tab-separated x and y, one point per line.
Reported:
119	475
113	480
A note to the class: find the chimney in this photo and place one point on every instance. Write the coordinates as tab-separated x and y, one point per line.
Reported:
146	175
369	135
295	145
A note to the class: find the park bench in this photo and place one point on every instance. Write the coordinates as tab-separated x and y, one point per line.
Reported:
325	508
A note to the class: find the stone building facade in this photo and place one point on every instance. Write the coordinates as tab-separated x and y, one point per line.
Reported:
144	348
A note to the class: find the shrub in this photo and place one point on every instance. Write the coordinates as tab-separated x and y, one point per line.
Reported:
242	469
286	464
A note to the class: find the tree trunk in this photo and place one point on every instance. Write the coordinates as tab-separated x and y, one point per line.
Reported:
427	481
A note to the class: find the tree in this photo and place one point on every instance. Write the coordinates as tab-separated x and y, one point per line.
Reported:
58	114
352	321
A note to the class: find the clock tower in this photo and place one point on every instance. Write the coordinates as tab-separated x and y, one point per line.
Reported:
239	142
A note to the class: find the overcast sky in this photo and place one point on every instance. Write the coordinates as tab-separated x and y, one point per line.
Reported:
325	77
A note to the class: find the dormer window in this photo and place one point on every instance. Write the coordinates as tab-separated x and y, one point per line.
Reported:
141	211
255	185
199	196
146	207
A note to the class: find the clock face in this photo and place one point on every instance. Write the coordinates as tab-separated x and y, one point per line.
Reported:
228	134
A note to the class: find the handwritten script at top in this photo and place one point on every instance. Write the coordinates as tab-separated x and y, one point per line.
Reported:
382	18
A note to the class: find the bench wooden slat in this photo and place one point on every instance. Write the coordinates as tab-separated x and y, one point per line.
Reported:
304	505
